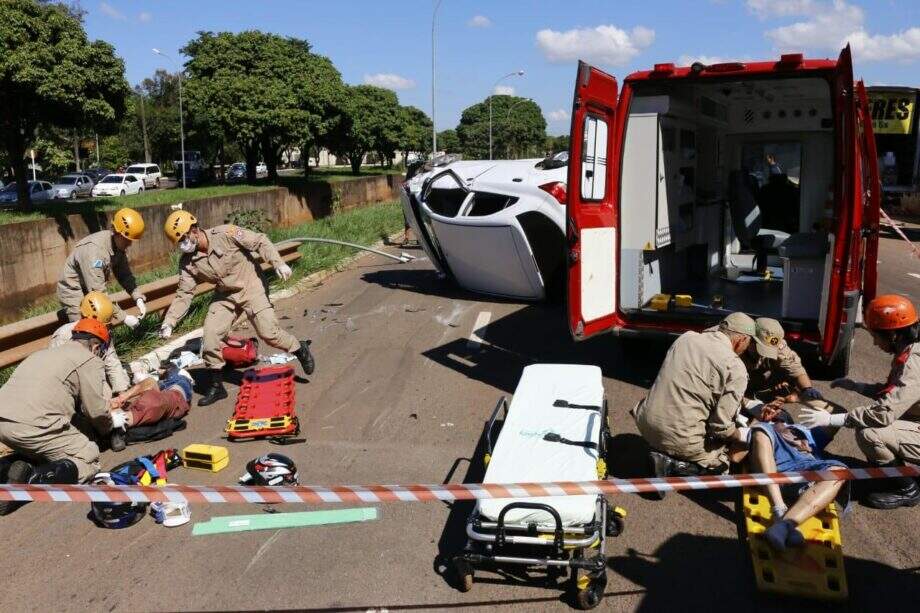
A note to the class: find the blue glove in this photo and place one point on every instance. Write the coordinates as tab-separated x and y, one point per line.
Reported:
810	393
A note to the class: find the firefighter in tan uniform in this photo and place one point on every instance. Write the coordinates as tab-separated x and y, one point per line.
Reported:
888	430
224	256
44	394
774	369
689	413
98	306
94	259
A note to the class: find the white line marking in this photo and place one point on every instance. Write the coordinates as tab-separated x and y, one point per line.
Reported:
476	339
914	275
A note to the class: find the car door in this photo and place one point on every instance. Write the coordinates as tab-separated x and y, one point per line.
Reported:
839	318
592	203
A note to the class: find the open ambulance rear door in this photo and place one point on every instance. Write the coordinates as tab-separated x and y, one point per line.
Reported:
855	232
592	205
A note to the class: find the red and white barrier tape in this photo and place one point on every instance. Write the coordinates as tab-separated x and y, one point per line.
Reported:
310	494
913	248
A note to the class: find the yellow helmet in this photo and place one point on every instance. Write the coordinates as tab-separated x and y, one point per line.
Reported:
178	224
129	224
98	306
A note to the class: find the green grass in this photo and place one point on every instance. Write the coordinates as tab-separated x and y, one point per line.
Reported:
364	226
148	198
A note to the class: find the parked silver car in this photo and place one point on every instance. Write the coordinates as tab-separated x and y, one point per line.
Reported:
39	191
72	186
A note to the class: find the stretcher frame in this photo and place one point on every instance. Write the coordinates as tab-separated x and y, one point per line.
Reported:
559	549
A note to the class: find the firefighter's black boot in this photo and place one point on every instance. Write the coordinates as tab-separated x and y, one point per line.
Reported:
895	492
305	358
214	389
19	471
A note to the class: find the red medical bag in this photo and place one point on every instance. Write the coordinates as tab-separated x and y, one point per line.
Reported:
240	352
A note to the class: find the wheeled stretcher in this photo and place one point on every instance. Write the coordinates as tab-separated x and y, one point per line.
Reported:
555	429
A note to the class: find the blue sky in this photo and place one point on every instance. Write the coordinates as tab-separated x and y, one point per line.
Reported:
389	43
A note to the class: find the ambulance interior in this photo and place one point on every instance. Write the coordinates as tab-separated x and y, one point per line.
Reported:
724	195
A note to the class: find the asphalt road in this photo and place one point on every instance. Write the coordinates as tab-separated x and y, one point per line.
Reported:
400	394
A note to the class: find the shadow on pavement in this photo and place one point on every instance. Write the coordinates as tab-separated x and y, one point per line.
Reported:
539	334
691	572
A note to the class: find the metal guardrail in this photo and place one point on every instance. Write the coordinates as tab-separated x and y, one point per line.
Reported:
20	339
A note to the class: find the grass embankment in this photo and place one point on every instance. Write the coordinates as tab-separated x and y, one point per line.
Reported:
337	174
363	226
147	198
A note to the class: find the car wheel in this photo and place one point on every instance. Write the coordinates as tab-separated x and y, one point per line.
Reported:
140	190
157	183
73	195
122	193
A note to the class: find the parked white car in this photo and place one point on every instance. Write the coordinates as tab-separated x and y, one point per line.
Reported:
148	173
261	170
118	185
494	227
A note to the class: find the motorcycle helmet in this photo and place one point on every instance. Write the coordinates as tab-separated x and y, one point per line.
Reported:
270	469
115	515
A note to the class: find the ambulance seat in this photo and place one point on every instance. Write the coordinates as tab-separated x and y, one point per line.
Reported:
747	219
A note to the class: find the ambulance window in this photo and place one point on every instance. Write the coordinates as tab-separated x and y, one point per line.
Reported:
594	159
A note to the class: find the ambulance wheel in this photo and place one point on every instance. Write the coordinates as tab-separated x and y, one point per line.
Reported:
592	595
463	571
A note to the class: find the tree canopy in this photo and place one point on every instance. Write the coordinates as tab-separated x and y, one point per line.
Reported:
518	128
52	75
261	90
370	122
416	131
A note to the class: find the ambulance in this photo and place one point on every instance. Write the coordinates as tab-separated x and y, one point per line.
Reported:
742	186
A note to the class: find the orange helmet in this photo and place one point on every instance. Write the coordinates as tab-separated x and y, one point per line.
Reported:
890	312
94	327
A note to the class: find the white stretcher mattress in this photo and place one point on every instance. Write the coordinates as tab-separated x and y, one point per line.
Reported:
521	454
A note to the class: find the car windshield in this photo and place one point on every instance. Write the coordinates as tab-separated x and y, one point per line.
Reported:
112	179
9	188
137	169
66	180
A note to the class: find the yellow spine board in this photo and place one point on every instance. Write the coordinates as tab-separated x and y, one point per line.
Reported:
813	571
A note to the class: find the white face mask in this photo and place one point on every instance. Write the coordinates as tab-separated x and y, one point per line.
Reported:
188	245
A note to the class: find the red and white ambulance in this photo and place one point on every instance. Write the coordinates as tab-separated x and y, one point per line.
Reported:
743	186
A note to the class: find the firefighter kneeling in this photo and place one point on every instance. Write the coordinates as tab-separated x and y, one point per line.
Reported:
224	256
42	398
888	430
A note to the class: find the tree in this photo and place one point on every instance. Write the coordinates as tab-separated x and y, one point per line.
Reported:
448	141
52	75
264	91
555	144
415	131
518	128
370	122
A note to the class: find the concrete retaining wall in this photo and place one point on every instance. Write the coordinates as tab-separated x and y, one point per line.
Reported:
33	252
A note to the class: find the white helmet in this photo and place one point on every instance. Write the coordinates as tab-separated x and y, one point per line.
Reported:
270	469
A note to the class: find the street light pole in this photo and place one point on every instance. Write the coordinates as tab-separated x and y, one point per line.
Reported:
518	73
434	128
181	127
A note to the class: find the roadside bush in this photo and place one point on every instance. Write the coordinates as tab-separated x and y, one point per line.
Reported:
256	220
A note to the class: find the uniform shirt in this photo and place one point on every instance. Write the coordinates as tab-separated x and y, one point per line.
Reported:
763	371
696	396
89	266
49	386
900	399
228	264
115	373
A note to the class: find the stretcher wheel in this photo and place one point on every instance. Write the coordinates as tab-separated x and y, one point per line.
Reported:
615	523
464	573
591	596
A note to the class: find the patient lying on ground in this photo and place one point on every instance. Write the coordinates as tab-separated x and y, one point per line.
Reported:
777	446
151	402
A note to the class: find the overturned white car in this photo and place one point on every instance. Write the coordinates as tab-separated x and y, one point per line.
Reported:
494	227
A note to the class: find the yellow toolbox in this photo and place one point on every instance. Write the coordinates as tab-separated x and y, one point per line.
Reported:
205	457
659	302
813	571
683	300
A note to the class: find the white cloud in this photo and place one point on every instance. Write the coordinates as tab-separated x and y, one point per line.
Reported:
110	11
145	17
828	26
558	115
389	81
604	44
479	21
503	90
767	9
687	60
